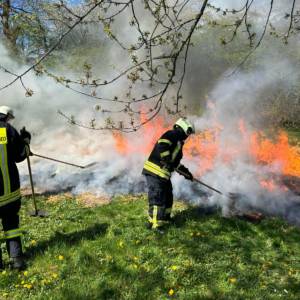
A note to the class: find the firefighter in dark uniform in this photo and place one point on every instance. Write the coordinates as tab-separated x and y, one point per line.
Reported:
13	149
163	160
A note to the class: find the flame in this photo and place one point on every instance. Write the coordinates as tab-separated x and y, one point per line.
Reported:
207	148
269	185
148	135
204	146
281	152
120	142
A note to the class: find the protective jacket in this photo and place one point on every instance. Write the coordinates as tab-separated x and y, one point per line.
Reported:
12	150
166	154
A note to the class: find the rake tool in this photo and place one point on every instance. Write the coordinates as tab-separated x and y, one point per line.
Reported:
231	196
64	162
36	212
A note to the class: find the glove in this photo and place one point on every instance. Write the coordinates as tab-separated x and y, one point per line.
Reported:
28	151
25	136
185	172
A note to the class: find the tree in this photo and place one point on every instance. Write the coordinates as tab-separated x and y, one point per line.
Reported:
156	46
8	31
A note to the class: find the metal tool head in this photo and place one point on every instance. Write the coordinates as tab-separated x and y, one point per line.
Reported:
253	217
39	213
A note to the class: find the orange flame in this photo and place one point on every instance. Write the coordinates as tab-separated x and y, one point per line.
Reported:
148	135
280	152
268	184
207	149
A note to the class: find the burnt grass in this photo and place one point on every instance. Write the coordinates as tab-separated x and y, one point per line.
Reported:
106	252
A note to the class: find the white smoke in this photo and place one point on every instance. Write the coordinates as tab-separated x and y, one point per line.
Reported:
53	136
235	97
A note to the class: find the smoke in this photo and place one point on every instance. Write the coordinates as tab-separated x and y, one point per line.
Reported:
234	111
234	98
237	102
53	136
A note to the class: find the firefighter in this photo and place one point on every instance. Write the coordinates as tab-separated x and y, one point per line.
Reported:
14	148
163	160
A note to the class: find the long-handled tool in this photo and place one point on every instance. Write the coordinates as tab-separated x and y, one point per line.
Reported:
232	196
36	212
64	162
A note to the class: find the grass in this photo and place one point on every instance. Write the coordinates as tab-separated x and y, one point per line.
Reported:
107	253
294	136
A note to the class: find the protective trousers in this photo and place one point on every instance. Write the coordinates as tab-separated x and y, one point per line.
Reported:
9	215
160	198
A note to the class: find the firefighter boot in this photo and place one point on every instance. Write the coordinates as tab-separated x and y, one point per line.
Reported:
156	218
14	248
18	263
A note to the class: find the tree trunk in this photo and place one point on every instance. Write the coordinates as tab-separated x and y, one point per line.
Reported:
9	34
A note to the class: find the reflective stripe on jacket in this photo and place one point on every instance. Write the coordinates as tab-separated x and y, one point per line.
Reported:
157	170
10	234
166	152
12	150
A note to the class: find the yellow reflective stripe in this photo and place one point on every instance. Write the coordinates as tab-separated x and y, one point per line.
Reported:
3	156
155	222
158	223
14	233
157	170
3	136
154	217
2	165
153	165
7	170
176	151
5	199
164	141
166	153
14	236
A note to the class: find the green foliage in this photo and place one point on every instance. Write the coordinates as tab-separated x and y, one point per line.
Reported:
294	136
107	253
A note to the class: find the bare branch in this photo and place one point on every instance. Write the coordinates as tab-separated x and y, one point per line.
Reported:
18	77
291	20
259	41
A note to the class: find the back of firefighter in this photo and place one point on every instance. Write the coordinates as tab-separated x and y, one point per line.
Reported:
13	149
163	160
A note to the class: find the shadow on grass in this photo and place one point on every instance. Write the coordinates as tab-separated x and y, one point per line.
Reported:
193	213
68	239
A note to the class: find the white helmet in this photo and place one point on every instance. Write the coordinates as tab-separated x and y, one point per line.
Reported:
5	110
186	126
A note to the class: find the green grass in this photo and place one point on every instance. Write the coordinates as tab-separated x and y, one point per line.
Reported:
107	253
294	136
